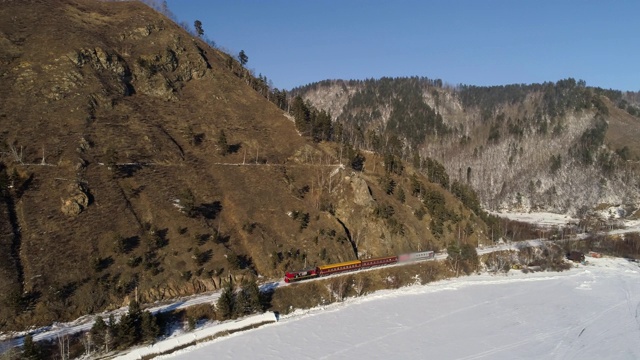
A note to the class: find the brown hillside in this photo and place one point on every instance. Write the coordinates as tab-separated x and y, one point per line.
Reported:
116	177
624	130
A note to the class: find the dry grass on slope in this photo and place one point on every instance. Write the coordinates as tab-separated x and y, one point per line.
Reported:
623	130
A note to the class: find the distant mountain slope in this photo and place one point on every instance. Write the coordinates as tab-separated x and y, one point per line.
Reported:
561	147
135	160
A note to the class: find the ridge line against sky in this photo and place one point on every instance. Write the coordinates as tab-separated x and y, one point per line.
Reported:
493	42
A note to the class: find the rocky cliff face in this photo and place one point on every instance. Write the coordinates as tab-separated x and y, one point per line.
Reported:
516	155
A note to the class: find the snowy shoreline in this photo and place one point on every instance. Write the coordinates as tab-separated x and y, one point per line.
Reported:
191	339
358	320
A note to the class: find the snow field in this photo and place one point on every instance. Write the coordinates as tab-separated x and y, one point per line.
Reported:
588	312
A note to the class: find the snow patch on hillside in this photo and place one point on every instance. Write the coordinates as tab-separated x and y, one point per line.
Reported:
612	212
543	219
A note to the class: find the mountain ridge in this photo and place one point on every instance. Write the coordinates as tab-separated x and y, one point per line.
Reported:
492	137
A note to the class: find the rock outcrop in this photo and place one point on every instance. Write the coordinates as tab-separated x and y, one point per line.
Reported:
76	202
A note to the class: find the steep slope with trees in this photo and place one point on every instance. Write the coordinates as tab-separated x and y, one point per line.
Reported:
136	160
562	147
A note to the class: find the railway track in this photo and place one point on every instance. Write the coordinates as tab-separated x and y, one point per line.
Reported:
84	323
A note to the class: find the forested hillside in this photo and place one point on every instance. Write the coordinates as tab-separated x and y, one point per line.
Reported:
562	146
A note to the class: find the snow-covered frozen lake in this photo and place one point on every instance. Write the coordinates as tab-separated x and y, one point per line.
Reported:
589	312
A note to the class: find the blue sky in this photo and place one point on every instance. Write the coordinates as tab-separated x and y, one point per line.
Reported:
478	42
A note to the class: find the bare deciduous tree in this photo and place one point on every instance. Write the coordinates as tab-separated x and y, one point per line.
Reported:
338	287
87	342
17	155
359	285
63	346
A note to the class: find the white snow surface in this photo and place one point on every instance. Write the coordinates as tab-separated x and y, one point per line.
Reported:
612	212
589	312
538	218
546	219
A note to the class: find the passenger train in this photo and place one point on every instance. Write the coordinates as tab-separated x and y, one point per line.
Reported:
323	270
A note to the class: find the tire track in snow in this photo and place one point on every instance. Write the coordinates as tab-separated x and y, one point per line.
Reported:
544	336
489	353
585	324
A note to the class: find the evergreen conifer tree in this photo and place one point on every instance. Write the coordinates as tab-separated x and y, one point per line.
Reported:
30	350
226	302
128	329
243	58
125	334
110	333
149	326
119	244
241	306
223	145
98	332
198	26
253	295
188	202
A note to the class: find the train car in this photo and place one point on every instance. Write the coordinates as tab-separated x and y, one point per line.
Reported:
339	267
379	261
417	256
292	276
